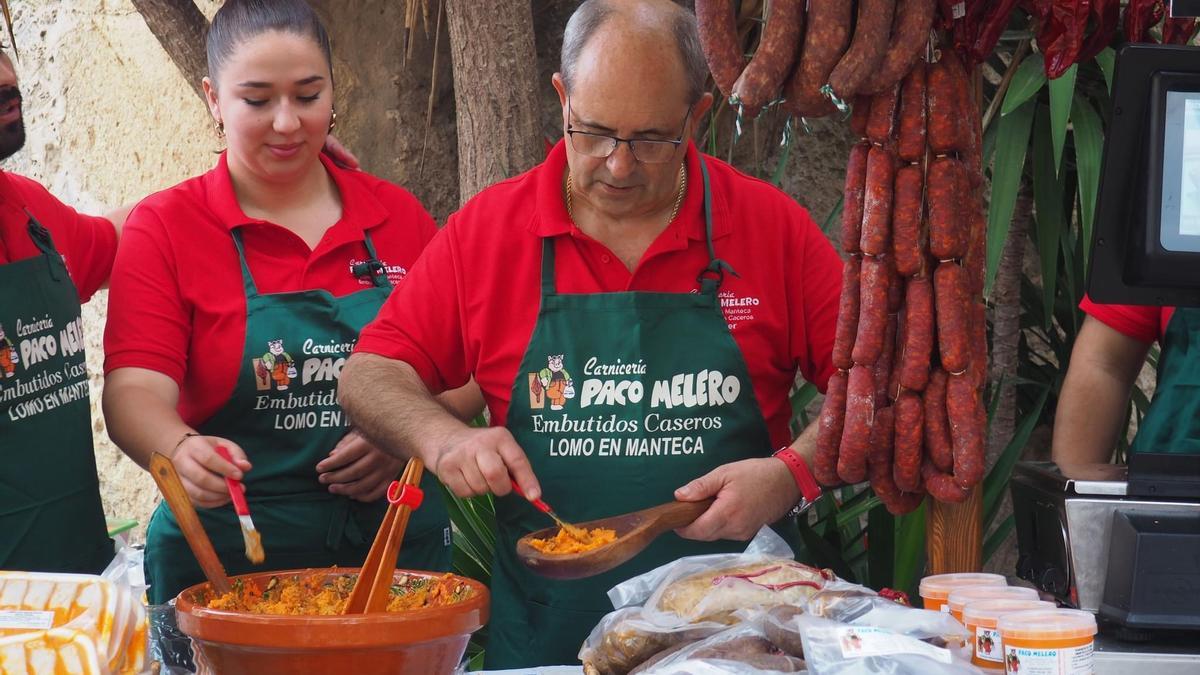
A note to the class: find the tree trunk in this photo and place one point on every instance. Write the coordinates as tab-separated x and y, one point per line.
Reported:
1006	324
1006	339
179	26
383	96
495	91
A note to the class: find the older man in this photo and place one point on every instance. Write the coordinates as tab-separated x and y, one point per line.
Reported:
635	314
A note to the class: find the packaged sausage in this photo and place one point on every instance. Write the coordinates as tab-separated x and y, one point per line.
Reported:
743	649
832	648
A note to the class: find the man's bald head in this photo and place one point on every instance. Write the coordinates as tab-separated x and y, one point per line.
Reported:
654	21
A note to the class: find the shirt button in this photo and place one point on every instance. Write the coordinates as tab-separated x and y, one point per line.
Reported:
606	258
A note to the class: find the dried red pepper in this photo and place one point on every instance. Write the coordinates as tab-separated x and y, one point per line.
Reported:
1107	13
992	25
1140	17
1061	35
1178	31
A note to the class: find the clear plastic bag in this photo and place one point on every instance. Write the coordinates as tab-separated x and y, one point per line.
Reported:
711	588
636	591
832	648
853	604
168	645
623	640
741	650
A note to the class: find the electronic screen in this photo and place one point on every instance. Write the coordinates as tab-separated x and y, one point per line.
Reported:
1146	239
1180	211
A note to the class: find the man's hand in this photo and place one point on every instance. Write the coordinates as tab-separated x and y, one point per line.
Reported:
203	472
358	470
339	154
478	461
750	493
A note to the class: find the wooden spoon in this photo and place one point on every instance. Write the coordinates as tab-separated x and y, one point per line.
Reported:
172	490
634	531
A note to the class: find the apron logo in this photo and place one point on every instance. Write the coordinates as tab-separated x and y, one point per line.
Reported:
360	269
552	382
9	356
276	366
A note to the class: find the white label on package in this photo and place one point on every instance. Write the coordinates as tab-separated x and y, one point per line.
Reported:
958	10
1056	661
17	619
987	644
858	641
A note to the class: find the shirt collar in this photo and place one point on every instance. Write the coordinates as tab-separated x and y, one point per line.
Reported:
551	217
361	210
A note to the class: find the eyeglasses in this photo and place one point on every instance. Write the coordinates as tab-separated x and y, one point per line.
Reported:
644	149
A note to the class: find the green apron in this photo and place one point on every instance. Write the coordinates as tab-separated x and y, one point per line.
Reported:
620	399
1172	424
284	413
51	519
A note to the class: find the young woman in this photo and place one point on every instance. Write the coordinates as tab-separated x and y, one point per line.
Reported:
236	297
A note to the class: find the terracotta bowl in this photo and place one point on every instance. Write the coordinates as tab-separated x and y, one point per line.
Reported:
418	642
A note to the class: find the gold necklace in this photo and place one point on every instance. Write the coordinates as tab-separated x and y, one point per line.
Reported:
679	192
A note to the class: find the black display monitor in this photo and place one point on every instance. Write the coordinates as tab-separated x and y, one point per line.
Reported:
1146	244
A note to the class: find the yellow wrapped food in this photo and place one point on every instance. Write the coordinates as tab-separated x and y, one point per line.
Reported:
42	609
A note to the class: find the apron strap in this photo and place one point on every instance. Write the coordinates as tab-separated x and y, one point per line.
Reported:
247	278
713	275
45	243
548	287
373	266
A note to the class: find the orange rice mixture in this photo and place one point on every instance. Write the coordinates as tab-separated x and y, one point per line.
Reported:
564	542
318	594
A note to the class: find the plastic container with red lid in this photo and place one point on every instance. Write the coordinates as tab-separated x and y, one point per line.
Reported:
981	618
935	590
960	597
1050	641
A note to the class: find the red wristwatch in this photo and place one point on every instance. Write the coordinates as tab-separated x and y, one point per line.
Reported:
810	491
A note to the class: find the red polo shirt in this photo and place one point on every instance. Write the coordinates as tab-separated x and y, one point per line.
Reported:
1145	323
177	305
469	306
87	243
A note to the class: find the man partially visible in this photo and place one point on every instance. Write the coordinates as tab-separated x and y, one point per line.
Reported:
1107	356
635	314
51	260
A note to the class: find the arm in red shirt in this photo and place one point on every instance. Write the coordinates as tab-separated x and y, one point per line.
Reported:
422	322
149	324
413	349
87	243
1105	361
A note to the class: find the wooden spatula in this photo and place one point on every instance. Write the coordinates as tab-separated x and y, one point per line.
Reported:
634	531
177	499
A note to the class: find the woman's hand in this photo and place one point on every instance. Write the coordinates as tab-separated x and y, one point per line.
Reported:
203	471
358	470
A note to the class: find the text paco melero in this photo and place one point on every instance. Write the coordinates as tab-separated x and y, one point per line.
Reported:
705	388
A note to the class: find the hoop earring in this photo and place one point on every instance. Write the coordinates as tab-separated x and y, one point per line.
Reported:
332	121
219	126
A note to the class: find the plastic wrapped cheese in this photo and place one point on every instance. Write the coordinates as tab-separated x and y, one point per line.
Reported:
50	652
75	614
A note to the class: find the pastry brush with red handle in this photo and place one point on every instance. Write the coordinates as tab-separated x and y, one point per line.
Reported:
237	492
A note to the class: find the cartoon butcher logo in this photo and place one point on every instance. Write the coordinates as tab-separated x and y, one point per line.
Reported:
552	382
1014	663
275	366
985	644
9	357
